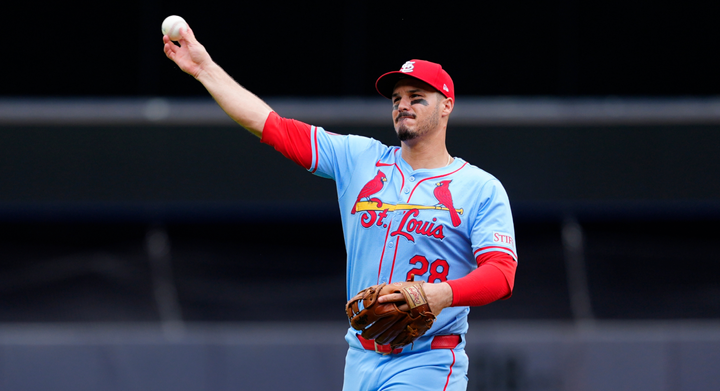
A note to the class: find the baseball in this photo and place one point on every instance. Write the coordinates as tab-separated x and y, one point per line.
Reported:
172	25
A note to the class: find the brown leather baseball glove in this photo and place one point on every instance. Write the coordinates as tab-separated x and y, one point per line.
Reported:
386	323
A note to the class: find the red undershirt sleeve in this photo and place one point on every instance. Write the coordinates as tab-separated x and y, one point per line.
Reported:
289	137
492	280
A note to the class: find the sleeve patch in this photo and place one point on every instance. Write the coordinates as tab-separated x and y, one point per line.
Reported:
503	238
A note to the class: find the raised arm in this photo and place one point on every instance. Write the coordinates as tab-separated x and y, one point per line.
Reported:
240	104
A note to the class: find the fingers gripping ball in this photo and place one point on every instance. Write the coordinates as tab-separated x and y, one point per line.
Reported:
386	323
172	25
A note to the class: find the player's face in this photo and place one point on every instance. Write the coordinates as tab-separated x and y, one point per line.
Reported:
416	109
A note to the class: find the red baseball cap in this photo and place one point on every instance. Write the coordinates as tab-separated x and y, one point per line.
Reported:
427	71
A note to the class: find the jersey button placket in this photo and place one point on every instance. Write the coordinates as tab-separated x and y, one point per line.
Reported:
394	219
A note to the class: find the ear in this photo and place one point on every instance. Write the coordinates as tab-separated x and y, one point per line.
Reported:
447	106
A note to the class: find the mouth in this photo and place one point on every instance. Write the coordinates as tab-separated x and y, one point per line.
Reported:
402	116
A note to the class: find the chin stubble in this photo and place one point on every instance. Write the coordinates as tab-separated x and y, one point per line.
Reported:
404	133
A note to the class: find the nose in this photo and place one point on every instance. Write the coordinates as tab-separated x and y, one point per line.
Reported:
403	104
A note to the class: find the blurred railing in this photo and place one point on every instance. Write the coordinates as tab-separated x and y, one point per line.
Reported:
502	111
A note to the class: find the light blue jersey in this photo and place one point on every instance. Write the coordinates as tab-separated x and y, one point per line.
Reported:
397	221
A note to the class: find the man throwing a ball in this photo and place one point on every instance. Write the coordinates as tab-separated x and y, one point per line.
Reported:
409	212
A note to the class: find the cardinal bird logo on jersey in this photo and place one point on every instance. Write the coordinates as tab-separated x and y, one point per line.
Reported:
375	185
442	193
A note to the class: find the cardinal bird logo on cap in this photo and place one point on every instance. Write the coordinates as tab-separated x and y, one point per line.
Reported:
442	193
375	185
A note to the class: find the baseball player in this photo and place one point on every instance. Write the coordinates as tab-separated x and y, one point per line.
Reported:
408	211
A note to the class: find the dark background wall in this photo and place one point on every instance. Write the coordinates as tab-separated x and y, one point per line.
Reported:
226	164
330	48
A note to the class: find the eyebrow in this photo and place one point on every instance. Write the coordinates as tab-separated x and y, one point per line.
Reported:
409	91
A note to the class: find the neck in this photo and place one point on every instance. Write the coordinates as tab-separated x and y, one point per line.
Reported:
426	153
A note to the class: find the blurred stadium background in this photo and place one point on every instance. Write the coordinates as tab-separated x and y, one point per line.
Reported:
147	242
